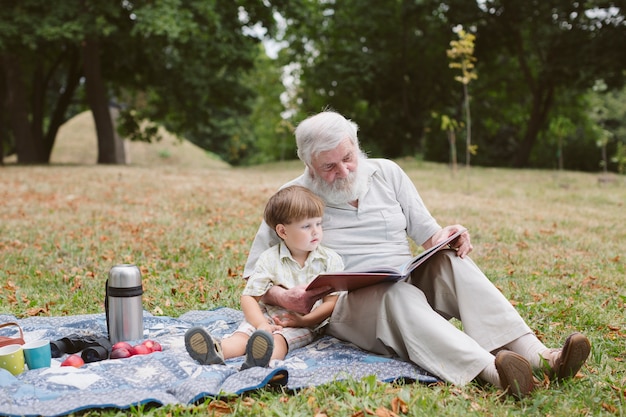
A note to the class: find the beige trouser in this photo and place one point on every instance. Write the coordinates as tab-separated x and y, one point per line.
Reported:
410	319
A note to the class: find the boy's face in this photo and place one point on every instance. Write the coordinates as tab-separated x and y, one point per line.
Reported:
301	236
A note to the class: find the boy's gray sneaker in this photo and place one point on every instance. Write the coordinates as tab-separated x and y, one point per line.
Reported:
201	346
259	350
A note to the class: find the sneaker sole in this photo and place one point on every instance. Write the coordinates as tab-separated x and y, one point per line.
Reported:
201	347
259	349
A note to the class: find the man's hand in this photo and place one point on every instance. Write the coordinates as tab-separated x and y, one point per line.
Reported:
295	299
461	245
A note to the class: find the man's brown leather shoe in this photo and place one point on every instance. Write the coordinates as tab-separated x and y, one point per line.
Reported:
571	357
515	372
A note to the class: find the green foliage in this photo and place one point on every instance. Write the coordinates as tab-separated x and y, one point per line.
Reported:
193	67
560	127
607	108
461	55
269	136
167	19
540	53
385	67
132	128
450	126
620	158
176	63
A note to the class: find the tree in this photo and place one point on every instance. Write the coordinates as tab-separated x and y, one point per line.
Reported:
196	86
271	136
41	72
110	145
560	127
178	62
461	54
546	47
385	67
608	110
450	126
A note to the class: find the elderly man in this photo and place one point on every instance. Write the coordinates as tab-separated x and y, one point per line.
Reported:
373	208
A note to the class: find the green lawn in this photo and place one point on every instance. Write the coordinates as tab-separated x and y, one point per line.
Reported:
553	242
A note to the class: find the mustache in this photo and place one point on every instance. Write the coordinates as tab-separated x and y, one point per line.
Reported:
341	190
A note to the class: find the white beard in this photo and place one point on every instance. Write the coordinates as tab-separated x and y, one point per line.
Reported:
342	190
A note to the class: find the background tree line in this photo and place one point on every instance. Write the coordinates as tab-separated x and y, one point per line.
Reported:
550	89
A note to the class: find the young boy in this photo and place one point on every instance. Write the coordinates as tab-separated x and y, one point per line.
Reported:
269	332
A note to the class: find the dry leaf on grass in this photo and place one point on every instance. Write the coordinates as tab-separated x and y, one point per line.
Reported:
219	407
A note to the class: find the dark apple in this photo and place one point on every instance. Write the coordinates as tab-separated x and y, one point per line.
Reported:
120	353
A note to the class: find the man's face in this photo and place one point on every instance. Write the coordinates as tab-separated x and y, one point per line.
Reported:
336	164
335	176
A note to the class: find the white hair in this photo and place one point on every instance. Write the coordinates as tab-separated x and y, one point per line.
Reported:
323	132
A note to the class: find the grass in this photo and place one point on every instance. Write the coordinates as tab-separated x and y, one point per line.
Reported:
552	242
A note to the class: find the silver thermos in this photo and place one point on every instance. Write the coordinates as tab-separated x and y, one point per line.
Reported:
124	312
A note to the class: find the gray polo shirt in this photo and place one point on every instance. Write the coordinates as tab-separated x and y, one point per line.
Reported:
375	233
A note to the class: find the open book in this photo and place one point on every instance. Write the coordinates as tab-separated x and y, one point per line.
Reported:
348	281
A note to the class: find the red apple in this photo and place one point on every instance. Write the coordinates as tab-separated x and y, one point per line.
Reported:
140	350
120	353
153	345
119	345
73	360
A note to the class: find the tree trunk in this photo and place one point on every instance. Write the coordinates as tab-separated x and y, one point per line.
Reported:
74	73
110	146
542	101
28	149
4	110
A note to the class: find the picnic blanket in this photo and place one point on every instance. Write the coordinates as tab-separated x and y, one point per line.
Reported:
171	376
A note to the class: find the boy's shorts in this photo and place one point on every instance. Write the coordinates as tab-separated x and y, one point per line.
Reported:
294	336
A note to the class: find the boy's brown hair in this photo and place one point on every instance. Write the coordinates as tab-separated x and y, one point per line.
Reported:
292	204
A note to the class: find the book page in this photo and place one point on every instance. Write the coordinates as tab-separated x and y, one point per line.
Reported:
419	259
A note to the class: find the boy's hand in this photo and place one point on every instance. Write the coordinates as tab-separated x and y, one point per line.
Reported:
270	328
290	320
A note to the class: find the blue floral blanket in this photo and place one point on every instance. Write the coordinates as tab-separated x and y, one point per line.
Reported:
171	376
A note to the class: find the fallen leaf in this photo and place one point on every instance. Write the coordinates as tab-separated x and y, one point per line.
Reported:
220	407
385	412
399	406
35	311
609	407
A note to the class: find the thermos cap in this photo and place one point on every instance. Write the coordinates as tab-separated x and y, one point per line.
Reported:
124	276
